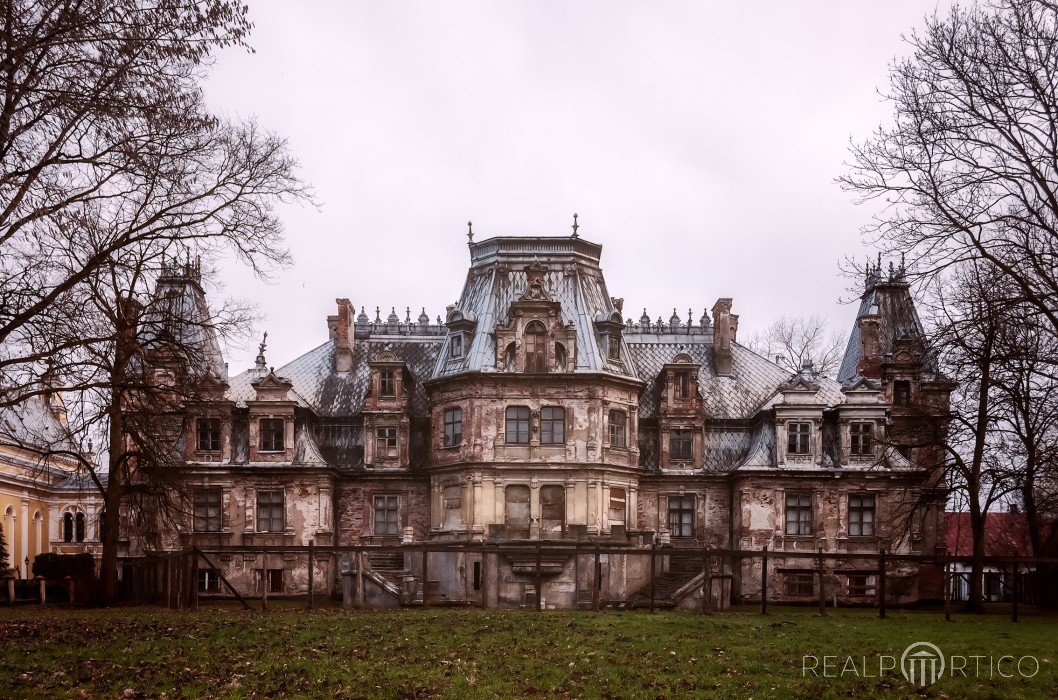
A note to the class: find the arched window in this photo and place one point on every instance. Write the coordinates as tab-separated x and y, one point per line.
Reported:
79	527
67	527
535	347
560	357
509	356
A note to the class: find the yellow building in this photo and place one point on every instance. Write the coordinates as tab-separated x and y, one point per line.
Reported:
48	503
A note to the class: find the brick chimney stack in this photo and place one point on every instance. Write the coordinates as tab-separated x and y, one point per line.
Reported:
343	336
870	364
725	329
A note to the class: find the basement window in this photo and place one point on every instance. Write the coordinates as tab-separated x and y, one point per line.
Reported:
208	581
799	584
272	578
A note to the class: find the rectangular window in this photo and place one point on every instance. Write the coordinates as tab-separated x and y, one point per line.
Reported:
208	581
453	427
452	502
799	514
553	509
901	393
273	578
682	388
385	443
613	347
209	434
207	510
799	584
455	346
517	432
681	516
618	421
386	520
861	515
681	445
618	501
270	511
798	438
862	585
861	436
552	425
271	434
387	383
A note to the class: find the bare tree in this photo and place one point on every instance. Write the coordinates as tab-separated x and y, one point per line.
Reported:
791	341
967	166
106	147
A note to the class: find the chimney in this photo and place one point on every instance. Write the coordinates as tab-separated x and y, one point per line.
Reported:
870	364
343	336
725	325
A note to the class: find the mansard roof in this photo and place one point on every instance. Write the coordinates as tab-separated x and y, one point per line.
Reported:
890	300
330	394
497	278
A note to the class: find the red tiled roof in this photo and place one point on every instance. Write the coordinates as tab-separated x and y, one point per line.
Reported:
1006	535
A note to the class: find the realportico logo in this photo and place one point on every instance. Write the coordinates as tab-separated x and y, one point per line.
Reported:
921	664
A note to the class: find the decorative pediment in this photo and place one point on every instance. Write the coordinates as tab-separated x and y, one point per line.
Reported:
534	278
800	383
859	383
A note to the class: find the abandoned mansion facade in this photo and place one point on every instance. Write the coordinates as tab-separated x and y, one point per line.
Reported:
535	410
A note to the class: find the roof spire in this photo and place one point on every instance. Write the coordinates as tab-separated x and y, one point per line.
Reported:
575	226
260	361
470	232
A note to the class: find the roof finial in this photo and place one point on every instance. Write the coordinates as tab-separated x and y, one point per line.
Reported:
260	360
575	226
470	232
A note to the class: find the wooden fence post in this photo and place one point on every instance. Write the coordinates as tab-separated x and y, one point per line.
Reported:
653	564
822	586
707	582
312	546
539	579
881	583
264	581
947	591
764	582
194	578
360	557
425	571
596	580
1014	592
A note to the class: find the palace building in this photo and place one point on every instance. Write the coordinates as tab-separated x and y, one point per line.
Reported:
537	409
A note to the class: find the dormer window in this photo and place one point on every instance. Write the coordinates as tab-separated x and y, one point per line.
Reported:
861	439
681	445
385	442
388	383
798	438
682	386
208	435
614	348
455	346
271	435
535	347
901	393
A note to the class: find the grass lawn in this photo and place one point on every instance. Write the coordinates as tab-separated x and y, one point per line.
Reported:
228	652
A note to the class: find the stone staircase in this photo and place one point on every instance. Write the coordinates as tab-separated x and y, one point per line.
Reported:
390	568
683	569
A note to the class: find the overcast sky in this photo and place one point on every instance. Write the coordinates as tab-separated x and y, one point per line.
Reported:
699	142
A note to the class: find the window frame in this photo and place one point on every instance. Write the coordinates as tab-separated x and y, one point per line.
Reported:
518	421
618	495
861	438
548	424
207	427
269	505
799	584
205	498
208	580
804	502
455	346
866	527
681	388
680	506
901	392
387	383
272	432
388	505
868	587
453	426
618	428
798	441
681	436
535	345
613	347
387	442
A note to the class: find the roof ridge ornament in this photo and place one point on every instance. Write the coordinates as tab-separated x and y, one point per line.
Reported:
260	360
470	232
575	226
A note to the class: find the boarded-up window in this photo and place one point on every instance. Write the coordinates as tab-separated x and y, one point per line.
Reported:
452	498
516	513
553	509
618	502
